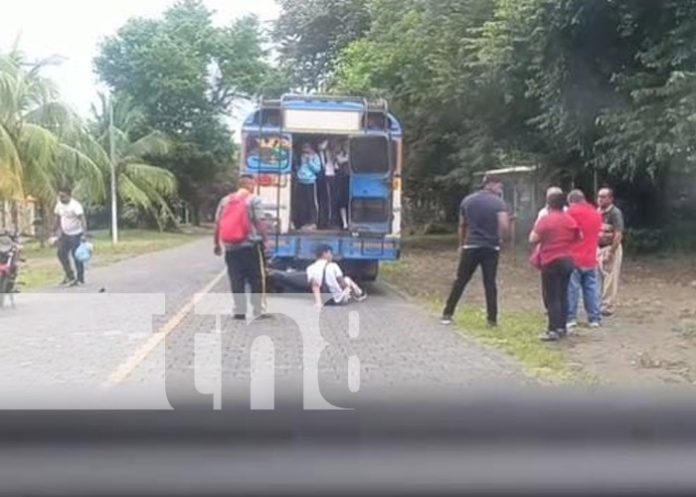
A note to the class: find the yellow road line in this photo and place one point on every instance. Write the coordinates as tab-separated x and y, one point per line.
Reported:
126	368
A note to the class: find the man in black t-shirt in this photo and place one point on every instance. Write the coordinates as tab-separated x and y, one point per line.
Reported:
483	222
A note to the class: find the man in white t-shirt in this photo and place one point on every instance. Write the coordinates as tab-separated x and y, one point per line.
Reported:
70	228
325	276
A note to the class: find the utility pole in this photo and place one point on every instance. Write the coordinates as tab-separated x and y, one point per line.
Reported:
112	160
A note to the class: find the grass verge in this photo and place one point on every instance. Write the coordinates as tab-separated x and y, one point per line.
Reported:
517	333
43	269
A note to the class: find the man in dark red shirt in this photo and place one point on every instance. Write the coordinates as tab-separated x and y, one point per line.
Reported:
585	278
557	235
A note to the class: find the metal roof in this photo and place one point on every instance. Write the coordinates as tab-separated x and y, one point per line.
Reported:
508	170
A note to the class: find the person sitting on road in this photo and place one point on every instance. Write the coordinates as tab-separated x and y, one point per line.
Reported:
326	277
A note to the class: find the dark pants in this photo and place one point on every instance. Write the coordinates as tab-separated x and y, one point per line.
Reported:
283	281
305	205
555	279
327	196
246	265
323	202
342	193
67	245
469	260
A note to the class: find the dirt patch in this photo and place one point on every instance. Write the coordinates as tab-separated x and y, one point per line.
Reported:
651	339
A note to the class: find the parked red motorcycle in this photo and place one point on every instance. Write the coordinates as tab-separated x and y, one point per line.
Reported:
9	266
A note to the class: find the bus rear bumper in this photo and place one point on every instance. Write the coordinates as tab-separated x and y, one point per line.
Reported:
303	247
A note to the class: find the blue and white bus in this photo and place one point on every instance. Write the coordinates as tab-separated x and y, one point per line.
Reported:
272	137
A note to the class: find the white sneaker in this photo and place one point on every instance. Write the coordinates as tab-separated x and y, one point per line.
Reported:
571	324
361	297
595	324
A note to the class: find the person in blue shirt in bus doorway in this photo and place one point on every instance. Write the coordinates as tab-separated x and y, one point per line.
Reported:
306	188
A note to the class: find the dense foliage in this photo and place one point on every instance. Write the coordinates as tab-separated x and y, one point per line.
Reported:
589	89
574	85
185	74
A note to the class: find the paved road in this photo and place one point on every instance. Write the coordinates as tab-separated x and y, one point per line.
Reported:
162	325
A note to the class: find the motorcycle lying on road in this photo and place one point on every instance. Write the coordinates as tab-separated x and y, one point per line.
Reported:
9	266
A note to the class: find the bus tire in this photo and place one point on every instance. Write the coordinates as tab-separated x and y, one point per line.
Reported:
361	270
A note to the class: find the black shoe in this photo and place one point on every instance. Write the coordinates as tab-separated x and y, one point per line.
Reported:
492	324
73	283
239	317
66	281
550	336
263	316
446	320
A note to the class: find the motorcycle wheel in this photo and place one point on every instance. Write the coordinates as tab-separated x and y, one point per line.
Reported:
4	289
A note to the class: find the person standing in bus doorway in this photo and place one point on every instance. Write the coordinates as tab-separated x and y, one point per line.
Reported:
483	223
306	191
342	183
241	229
326	186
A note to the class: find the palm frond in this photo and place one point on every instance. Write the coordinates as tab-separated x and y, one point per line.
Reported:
10	167
85	175
156	178
152	144
37	148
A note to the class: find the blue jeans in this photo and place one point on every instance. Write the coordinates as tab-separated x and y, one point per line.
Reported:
588	281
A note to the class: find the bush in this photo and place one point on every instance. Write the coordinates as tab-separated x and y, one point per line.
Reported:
436	228
644	240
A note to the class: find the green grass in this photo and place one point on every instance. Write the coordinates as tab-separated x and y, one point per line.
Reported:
517	334
43	269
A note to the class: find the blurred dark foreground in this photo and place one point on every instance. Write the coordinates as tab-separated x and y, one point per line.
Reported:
526	442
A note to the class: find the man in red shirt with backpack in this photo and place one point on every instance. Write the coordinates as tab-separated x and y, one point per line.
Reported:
241	230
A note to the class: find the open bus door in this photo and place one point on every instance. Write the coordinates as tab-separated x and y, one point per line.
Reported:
371	170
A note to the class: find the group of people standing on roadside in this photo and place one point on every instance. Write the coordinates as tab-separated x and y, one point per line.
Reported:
320	196
577	248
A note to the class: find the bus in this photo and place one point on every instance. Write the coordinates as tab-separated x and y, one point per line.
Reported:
370	137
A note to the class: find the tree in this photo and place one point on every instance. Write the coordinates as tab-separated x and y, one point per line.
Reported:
310	35
43	144
419	56
141	185
652	128
185	73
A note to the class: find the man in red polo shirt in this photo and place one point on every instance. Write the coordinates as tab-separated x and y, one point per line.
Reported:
585	278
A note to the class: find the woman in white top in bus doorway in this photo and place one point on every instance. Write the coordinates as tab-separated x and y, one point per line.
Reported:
329	208
342	192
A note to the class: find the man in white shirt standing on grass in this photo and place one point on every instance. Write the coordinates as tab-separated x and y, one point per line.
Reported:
70	228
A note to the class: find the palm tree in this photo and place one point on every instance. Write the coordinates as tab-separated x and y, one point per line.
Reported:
141	185
42	142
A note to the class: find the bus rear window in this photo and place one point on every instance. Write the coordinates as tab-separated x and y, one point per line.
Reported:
368	155
369	210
